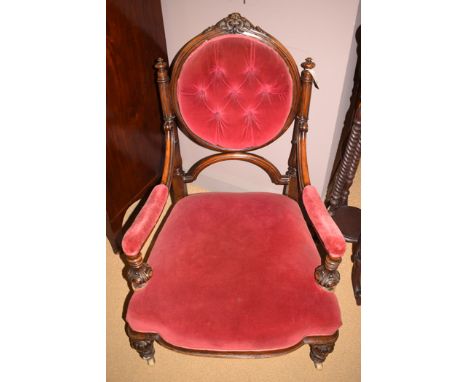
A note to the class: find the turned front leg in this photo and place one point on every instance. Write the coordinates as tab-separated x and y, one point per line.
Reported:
319	352
327	274
138	272
320	348
143	343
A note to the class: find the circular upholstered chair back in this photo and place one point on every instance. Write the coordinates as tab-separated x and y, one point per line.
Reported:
234	89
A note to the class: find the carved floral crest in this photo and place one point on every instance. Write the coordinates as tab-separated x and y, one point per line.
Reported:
235	23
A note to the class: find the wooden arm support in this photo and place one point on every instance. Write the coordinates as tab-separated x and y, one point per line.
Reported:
173	173
138	272
301	127
298	171
326	274
162	80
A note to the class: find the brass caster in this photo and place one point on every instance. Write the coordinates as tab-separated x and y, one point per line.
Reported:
318	365
150	361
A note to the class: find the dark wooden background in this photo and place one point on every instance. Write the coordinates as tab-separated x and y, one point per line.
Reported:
134	149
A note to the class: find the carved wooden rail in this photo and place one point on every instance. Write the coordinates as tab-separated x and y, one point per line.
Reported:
348	166
275	175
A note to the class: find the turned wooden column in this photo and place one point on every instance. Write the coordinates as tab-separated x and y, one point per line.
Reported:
178	187
301	126
348	166
347	160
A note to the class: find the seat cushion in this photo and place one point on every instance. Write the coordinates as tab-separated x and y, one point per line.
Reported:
234	272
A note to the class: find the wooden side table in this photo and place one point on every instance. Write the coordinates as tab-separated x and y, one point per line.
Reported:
348	220
345	166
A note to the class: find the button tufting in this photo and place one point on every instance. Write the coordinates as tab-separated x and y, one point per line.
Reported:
250	114
232	85
250	71
201	93
265	89
217	71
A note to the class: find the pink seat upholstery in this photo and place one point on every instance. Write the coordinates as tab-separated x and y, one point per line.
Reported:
235	92
234	272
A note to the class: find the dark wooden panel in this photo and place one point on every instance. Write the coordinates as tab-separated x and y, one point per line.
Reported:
134	152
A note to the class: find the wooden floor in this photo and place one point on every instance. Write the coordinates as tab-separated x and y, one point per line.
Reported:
124	364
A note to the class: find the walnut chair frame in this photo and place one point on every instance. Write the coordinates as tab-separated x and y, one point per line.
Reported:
175	178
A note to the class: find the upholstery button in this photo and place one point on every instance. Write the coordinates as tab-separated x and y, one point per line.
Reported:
201	93
250	114
250	71
217	71
265	89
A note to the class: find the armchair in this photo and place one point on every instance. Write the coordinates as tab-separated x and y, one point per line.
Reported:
234	274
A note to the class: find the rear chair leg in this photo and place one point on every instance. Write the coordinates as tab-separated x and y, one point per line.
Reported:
356	271
143	344
320	351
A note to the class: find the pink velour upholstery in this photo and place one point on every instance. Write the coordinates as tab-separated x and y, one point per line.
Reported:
235	92
145	221
326	228
234	272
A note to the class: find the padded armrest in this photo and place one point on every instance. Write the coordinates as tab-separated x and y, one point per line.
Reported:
144	223
326	228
